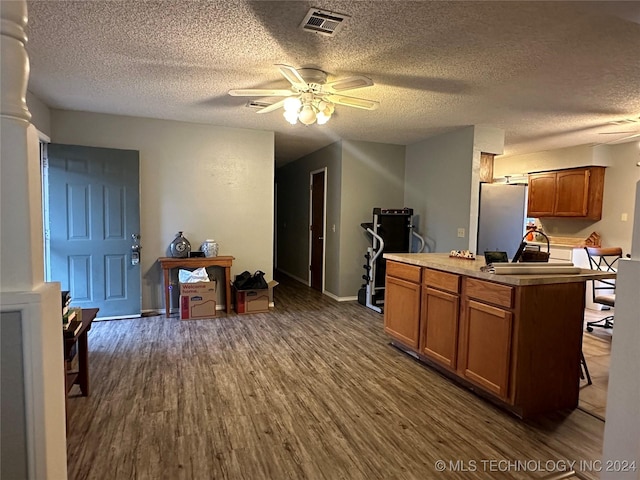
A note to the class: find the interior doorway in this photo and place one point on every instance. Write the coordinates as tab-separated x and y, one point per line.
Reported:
317	229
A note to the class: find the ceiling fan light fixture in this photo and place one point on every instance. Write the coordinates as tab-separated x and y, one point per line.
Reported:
291	116
292	104
310	99
307	115
322	118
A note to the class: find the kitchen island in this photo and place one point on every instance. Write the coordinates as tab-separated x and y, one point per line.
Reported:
514	339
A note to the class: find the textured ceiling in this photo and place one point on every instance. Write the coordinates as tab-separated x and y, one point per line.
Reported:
551	74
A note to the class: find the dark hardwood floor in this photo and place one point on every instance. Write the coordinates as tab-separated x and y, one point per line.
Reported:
596	347
310	390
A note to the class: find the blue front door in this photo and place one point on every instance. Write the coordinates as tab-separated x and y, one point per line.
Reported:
93	222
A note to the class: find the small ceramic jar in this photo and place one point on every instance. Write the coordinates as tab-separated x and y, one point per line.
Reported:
210	248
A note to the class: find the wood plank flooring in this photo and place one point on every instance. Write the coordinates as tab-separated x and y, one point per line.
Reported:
596	347
310	390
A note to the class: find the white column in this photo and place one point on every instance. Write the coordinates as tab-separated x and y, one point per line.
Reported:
20	194
622	428
22	284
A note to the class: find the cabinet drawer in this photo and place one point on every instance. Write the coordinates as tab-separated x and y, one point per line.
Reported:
442	280
489	292
404	271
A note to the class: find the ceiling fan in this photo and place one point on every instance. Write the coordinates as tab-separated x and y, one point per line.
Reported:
310	98
631	130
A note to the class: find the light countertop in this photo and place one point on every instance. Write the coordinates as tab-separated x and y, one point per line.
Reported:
555	244
471	268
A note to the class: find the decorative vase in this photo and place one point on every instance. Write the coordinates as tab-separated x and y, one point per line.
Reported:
180	247
210	248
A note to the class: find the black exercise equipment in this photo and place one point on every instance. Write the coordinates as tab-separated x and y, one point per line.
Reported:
391	231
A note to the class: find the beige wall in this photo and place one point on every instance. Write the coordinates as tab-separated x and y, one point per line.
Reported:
438	179
372	176
40	114
360	176
293	214
208	181
579	156
621	176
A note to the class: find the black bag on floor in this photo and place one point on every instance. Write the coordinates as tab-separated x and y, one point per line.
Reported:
246	281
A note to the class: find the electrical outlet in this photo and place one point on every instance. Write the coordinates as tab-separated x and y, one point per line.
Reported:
461	233
624	217
333	228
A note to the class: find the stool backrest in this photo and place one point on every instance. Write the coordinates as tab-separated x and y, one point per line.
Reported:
604	260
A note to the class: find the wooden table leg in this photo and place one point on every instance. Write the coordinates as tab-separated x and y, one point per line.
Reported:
167	293
83	364
227	282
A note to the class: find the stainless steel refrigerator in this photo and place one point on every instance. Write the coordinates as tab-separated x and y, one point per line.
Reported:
502	222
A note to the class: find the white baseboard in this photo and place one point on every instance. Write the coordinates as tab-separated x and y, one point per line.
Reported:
118	317
339	299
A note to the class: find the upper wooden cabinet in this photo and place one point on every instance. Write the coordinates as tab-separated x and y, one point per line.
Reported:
575	192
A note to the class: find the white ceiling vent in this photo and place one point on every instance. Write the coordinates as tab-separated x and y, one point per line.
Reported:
323	22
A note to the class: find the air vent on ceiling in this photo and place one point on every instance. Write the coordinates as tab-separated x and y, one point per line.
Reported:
255	104
323	22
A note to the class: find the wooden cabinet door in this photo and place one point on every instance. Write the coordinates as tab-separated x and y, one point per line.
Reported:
439	326
485	347
572	193
542	195
402	311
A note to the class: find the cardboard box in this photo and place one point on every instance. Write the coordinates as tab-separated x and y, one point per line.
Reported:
197	300
253	301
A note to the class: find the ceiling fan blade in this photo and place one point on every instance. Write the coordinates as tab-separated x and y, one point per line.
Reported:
249	92
348	83
271	107
292	75
354	102
621	140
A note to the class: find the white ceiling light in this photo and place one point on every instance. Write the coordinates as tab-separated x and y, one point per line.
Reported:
308	109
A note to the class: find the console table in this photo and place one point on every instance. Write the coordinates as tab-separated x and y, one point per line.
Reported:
167	263
81	376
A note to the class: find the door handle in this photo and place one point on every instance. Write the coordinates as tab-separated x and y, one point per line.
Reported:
135	249
320	238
